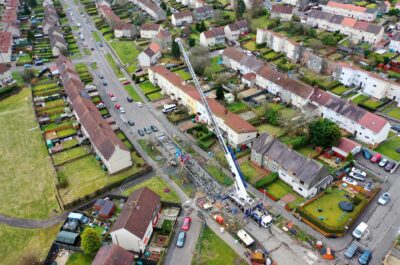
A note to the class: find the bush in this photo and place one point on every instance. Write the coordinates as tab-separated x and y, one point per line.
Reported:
357	199
267	180
62	182
328	190
299	142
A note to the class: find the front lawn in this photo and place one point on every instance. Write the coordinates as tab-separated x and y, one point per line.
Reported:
185	75
214	251
132	93
147	87
127	52
26	173
279	188
155	96
159	186
250	45
78	258
389	147
372	104
216	65
271	129
217	173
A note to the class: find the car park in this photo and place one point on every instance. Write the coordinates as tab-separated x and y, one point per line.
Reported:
376	158
181	239
384	199
383	162
351	250
350	181
154	128
357	176
365	257
147	130
367	155
129	99
389	166
131	123
140	132
186	223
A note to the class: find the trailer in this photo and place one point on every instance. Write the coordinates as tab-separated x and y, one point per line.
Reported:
245	237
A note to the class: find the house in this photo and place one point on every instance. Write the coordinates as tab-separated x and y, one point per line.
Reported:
306	176
121	28
394	45
124	30
5	46
236	130
364	125
357	30
283	12
149	31
212	37
203	13
249	79
346	147
163	39
234	30
301	4
238	60
5	75
57	41
108	147
350	10
113	255
9	19
148	6
280	43
134	226
192	3
150	55
182	18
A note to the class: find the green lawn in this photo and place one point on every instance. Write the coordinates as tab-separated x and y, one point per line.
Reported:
69	154
360	98
271	129
132	93
148	87
114	66
79	259
26	168
307	150
279	189
96	36
237	106
214	251
214	66
155	96
151	151
16	242
249	171
126	51
389	147
158	185
85	176
217	173
250	45
339	90
372	103
260	22
185	75
392	111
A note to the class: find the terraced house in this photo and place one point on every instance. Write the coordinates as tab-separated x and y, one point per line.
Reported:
350	10
6	42
9	18
148	6
110	149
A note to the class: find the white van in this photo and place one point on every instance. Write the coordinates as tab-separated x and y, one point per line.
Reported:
245	237
360	230
169	108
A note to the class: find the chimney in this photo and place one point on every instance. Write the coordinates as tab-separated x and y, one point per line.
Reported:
133	204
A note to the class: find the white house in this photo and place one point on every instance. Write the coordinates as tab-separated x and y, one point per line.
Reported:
182	18
350	10
203	13
284	13
297	3
149	31
394	44
212	37
5	75
306	176
150	55
134	226
240	61
148	6
235	29
5	47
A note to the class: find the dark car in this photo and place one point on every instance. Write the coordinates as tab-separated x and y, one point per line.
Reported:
365	257
92	49
147	130
154	128
396	128
389	166
140	132
131	123
367	155
129	99
351	250
105	83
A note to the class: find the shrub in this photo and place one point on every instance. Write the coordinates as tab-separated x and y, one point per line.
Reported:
328	190
267	180
357	199
299	141
62	182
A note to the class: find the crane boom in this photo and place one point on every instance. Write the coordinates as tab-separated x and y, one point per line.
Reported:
241	193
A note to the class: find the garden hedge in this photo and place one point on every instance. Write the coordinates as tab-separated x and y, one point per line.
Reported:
267	180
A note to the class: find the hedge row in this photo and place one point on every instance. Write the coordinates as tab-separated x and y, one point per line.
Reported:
298	142
267	180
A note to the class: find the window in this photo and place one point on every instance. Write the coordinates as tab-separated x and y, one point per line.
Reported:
301	182
300	189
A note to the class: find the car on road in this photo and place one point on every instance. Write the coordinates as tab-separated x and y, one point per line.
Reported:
131	123
129	99
27	65
376	158
349	181
396	128
112	97
384	199
105	83
367	155
383	162
122	110
147	130
358	171
389	166
126	83
140	132
100	44
154	128
181	239
92	49
357	176
117	106
351	250
140	104
101	75
365	257
186	223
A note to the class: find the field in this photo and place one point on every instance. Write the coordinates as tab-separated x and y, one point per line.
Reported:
18	241
127	52
214	251
26	168
156	184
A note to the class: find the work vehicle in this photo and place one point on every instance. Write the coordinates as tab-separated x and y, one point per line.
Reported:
154	128
376	158
186	223
360	230
262	218
357	176
384	199
147	130
140	132
389	166
131	123
351	250
181	239
365	257
349	181
383	162
245	237
168	108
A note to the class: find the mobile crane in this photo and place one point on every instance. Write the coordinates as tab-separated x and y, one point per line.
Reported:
239	195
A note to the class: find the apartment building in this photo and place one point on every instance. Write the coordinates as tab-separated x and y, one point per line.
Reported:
212	37
182	18
149	31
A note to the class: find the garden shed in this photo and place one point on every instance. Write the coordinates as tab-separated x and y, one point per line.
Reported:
68	238
107	210
345	147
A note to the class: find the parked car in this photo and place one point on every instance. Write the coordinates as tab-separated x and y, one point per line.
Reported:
140	132
351	250
181	239
369	186
186	223
27	65
131	123
147	130
349	181
383	162
389	166
117	106
154	128
126	83
105	83
365	257
101	75
129	99
122	110
140	104
376	158
358	171
396	128
384	199
367	155
357	176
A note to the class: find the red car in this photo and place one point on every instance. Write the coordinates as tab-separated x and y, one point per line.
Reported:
376	158
117	106
186	223
126	83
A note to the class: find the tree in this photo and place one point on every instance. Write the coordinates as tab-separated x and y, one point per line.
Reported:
163	6
394	12
311	32
91	241
199	59
27	75
30	36
191	42
324	133
329	39
366	53
202	27
220	93
175	50
272	116
240	9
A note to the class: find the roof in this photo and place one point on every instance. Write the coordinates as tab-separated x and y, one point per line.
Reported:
182	14
138	212
304	169
113	255
347	145
5	41
163	34
67	237
152	6
249	76
346	6
154	47
203	9
287	9
348	22
238	25
233	54
212	33
3	68
154	27
149	52
373	122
